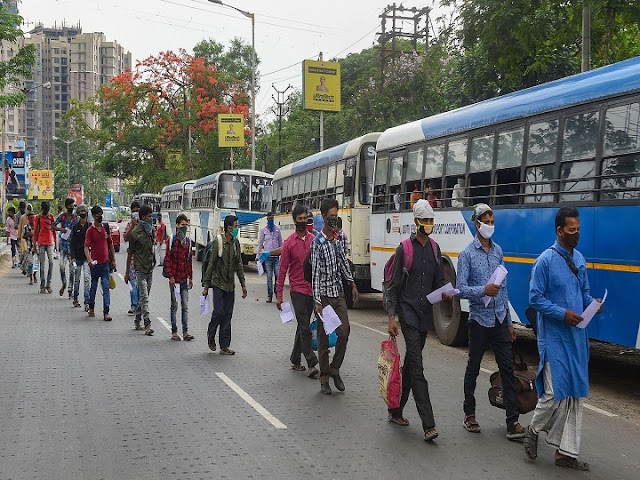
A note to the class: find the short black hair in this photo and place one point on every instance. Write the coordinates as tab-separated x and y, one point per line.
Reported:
563	214
11	209
339	222
182	218
159	215
328	204
299	209
69	201
45	206
135	204
145	210
229	220
96	210
270	214
22	205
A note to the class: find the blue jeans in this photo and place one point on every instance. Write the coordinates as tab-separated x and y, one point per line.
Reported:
184	303
271	266
133	292
144	287
100	272
48	251
82	271
65	261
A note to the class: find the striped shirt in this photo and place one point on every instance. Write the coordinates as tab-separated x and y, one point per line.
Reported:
328	266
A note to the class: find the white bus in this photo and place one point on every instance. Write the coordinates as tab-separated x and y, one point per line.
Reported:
176	199
247	194
344	172
151	199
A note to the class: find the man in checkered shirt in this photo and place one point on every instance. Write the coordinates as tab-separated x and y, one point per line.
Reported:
329	267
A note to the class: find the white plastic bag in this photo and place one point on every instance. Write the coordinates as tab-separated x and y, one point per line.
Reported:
36	263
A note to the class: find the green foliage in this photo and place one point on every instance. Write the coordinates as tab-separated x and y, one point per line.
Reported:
18	67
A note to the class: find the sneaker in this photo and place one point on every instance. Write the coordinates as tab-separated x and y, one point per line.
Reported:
107	317
49	290
138	327
92	312
227	351
176	337
313	372
70	295
61	292
325	389
212	346
517	432
86	307
270	299
337	381
131	311
43	290
148	331
76	304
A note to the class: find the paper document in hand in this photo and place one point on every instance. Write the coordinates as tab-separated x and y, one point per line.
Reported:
205	306
286	315
260	268
130	286
176	289
330	319
590	311
496	278
436	296
66	235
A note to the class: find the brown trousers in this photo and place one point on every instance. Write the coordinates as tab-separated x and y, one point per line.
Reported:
326	370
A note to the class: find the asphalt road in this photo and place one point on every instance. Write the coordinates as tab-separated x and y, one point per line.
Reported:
85	399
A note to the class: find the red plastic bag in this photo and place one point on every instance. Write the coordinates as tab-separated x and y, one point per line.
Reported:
389	373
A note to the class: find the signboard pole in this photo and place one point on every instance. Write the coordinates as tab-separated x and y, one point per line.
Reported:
321	120
4	177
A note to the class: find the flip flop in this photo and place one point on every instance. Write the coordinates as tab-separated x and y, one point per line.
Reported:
574	463
403	422
430	435
298	368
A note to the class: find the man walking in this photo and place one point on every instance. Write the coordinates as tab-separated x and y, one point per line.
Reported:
12	231
294	251
43	244
141	252
78	258
559	291
269	244
329	267
66	219
225	260
161	239
488	325
101	257
407	300
133	290
179	270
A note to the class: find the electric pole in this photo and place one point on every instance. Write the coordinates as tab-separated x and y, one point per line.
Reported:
281	110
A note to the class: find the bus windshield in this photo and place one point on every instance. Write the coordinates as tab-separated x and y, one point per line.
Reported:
233	191
261	194
367	162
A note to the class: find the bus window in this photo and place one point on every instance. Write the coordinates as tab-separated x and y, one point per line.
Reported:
367	161
538	186
455	170
433	173
339	183
233	192
622	129
380	182
621	178
395	179
578	180
323	182
315	182
480	169
261	195
331	179
413	178
294	187
305	189
508	166
580	136
543	143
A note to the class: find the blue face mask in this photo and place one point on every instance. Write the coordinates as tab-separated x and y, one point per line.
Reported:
271	224
148	226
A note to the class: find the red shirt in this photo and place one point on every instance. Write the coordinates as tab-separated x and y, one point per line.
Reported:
177	261
97	243
160	232
294	250
44	230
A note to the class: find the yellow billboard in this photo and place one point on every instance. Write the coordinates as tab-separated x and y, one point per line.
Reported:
230	130
40	185
321	85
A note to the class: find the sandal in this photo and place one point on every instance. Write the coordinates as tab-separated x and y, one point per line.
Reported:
227	351
176	337
574	463
531	444
187	337
403	422
471	425
430	434
298	368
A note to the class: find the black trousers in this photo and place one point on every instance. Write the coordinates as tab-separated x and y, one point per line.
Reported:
413	377
221	317
499	339
303	307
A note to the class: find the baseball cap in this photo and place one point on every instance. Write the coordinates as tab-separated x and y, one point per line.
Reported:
479	209
423	209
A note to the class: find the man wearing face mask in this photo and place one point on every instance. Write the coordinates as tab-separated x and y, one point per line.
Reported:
98	249
407	300
43	243
488	325
78	258
269	245
559	291
140	250
66	219
294	251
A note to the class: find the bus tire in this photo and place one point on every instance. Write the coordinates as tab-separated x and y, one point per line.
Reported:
449	321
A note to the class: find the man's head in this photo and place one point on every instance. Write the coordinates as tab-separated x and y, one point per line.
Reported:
423	217
96	211
568	227
299	215
482	216
230	225
182	223
44	207
82	212
11	211
329	211
21	206
159	217
68	204
145	213
135	206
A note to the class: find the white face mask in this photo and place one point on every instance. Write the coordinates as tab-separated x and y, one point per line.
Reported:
486	230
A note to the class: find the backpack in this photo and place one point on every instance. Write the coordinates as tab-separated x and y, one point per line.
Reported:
207	254
407	262
173	242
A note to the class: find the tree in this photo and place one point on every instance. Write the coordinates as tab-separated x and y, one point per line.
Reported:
14	70
233	64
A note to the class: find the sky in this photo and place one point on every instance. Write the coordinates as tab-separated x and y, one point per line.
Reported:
286	31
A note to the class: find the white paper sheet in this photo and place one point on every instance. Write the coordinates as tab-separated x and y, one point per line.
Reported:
130	286
176	289
65	236
205	306
330	319
496	278
590	311
436	296
260	268
286	315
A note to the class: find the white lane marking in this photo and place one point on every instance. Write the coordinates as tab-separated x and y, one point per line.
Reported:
249	399
163	322
386	334
482	369
121	278
599	410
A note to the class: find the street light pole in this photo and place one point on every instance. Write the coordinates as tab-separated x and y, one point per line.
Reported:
67	142
253	76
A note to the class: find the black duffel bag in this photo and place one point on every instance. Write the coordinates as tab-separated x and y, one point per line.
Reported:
525	385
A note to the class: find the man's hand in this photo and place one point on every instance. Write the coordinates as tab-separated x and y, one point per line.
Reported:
190	283
393	326
279	304
354	293
599	300
446	298
319	309
491	290
172	282
205	292
244	292
514	333
113	265
571	318
126	275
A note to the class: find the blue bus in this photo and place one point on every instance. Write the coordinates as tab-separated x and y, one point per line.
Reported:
571	142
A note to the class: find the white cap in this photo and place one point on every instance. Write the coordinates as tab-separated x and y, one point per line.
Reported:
423	209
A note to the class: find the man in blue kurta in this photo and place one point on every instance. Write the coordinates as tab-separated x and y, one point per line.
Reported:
559	292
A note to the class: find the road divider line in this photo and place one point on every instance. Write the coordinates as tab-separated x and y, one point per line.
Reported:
482	369
121	277
249	399
386	334
599	410
163	322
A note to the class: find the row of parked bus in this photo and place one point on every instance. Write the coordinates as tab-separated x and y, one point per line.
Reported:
574	141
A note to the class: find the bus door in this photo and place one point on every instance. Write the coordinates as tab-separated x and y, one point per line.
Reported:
394	223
